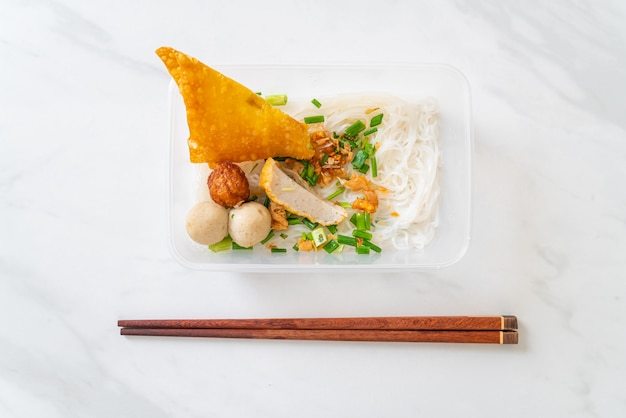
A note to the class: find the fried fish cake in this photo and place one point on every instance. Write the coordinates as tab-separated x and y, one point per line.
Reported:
228	185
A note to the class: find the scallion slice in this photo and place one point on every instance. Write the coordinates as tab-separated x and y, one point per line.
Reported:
239	247
331	246
223	245
359	159
357	233
376	120
268	237
279	250
370	131
362	250
314	119
309	224
353	130
336	193
360	221
316	103
312	179
371	245
346	240
374	166
277	99
319	237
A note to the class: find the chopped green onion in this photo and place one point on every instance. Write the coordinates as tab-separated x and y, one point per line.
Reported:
266	203
316	103
293	221
369	148
324	159
259	93
309	224
359	159
374	166
223	245
319	237
367	219
346	240
353	130
308	236
268	237
364	168
284	236
295	247
277	99
361	234
372	246
376	120
314	119
362	250
336	193
345	205
360	221
239	247
370	131
279	250
332	229
331	246
353	218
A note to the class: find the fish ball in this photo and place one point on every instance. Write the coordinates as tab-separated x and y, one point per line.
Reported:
207	223
249	223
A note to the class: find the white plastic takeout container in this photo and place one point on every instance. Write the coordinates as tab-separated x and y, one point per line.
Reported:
445	84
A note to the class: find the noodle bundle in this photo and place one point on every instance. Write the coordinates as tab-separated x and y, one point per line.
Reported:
408	160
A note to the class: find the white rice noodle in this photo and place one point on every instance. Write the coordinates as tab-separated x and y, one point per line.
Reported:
408	160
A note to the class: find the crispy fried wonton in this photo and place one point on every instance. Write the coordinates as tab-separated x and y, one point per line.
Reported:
229	122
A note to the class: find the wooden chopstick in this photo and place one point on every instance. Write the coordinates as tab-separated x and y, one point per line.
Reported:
460	323
445	329
433	336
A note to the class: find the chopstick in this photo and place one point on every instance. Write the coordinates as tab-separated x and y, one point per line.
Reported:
473	323
484	337
446	329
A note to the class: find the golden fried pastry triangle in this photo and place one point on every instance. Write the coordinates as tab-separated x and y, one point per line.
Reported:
228	121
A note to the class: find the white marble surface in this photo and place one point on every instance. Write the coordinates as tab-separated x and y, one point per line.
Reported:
83	219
